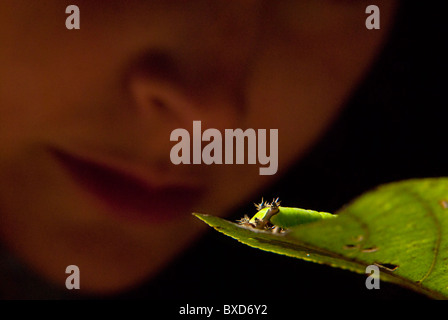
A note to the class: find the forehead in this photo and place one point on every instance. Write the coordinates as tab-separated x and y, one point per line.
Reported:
196	23
204	19
291	14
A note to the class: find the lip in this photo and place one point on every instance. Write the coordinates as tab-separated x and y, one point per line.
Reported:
126	194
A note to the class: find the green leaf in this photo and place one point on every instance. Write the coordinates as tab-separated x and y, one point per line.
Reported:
402	227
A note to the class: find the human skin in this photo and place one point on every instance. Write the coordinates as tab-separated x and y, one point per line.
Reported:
103	93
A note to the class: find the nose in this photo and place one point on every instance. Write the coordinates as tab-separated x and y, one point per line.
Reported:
155	99
164	89
156	86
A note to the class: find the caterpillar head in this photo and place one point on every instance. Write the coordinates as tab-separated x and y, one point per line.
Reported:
261	205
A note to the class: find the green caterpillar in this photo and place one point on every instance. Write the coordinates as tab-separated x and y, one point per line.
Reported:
273	217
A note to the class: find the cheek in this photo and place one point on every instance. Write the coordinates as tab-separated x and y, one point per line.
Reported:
306	70
297	99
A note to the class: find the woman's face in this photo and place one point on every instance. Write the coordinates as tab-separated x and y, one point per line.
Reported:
86	117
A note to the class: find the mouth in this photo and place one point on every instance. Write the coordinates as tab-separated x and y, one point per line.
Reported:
126	194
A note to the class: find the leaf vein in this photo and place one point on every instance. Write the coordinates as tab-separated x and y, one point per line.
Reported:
438	240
